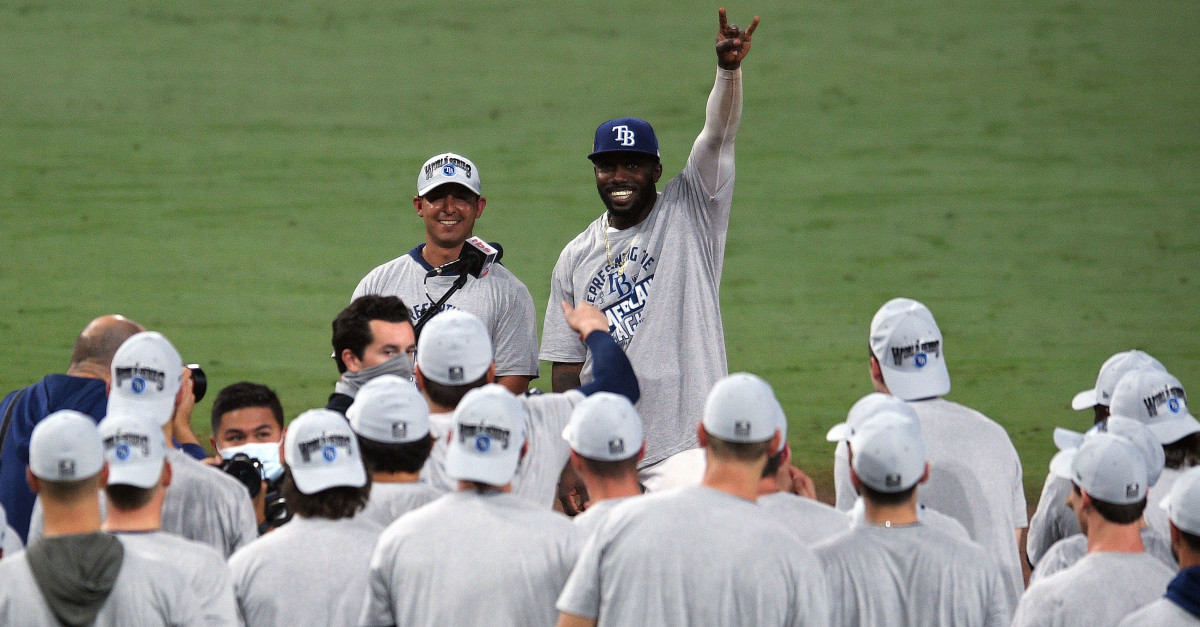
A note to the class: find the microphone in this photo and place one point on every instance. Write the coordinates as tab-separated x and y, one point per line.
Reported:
476	259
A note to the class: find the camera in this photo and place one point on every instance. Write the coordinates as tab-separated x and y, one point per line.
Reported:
199	381
249	471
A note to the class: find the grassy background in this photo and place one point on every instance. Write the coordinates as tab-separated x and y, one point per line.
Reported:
225	173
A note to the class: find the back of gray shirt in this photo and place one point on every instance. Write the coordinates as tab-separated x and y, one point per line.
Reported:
1067	551
390	501
202	567
1100	589
207	505
810	521
911	575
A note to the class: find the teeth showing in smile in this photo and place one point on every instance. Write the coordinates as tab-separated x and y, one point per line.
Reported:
621	194
448	222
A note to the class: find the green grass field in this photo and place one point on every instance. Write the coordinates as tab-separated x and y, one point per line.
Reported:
226	172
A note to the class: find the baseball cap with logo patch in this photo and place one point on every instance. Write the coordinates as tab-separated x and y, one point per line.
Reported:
448	168
1109	468
134	448
1068	443
389	409
888	453
742	408
1183	501
1155	398
147	373
454	348
625	135
489	433
906	341
605	427
321	451
1111	372
65	446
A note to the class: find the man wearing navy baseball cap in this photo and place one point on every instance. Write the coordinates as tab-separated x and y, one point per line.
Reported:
652	263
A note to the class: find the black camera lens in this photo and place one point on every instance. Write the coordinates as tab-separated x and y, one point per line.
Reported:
199	381
245	469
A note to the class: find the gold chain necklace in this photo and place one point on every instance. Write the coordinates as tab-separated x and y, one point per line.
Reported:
608	247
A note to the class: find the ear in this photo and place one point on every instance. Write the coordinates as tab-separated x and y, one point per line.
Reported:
103	476
575	461
854	481
641	452
787	455
165	479
34	486
773	445
524	449
491	373
417	204
877	376
701	435
657	171
479	205
213	440
925	476
418	378
353	363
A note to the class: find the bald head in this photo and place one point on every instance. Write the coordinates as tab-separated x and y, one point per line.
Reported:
98	342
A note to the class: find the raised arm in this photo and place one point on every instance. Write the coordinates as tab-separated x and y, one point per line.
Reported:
611	369
713	150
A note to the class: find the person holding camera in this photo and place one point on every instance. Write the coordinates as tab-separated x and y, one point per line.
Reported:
247	427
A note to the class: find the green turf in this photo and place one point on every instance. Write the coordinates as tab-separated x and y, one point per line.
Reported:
226	173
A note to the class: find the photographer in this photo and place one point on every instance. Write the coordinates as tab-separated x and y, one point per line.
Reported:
247	427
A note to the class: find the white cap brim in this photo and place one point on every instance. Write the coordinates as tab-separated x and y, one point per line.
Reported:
1065	438
1084	400
156	409
1174	429
493	469
1060	464
313	479
839	432
142	474
911	386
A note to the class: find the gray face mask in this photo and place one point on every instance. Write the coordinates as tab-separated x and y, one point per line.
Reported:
401	365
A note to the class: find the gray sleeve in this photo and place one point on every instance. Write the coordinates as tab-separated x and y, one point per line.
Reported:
1020	509
712	154
243	524
1054	560
1052	521
515	336
998	612
377	608
559	342
843	488
581	594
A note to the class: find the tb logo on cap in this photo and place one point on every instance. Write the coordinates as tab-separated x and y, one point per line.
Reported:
625	135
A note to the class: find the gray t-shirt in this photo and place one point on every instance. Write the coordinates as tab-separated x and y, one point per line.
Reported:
695	556
596	513
1155	515
1069	550
660	289
311	571
538	473
1100	589
12	541
1052	521
974	477
1161	613
203	569
146	592
390	501
202	504
499	299
471	559
811	521
911	575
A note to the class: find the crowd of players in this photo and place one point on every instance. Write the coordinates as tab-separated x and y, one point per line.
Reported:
433	489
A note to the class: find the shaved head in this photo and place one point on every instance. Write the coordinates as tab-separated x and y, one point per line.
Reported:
99	341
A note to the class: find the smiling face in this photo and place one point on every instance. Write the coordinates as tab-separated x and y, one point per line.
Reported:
449	212
626	183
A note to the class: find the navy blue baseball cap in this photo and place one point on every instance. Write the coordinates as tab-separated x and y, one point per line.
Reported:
625	135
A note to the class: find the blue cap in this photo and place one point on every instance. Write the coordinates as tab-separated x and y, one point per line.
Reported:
625	135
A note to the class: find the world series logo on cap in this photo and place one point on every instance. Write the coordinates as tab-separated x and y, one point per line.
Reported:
329	453
448	169
121	451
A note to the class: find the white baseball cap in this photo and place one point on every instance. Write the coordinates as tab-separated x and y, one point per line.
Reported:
134	448
605	427
321	451
1110	468
448	168
866	407
1111	372
1183	501
454	348
906	341
888	453
1137	433
65	446
489	433
147	373
742	408
1156	398
389	409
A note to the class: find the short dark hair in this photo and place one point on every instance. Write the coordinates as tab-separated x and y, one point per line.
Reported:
450	395
611	469
127	498
1190	539
885	498
69	491
395	457
1114	513
1183	453
241	395
741	451
332	503
352	326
